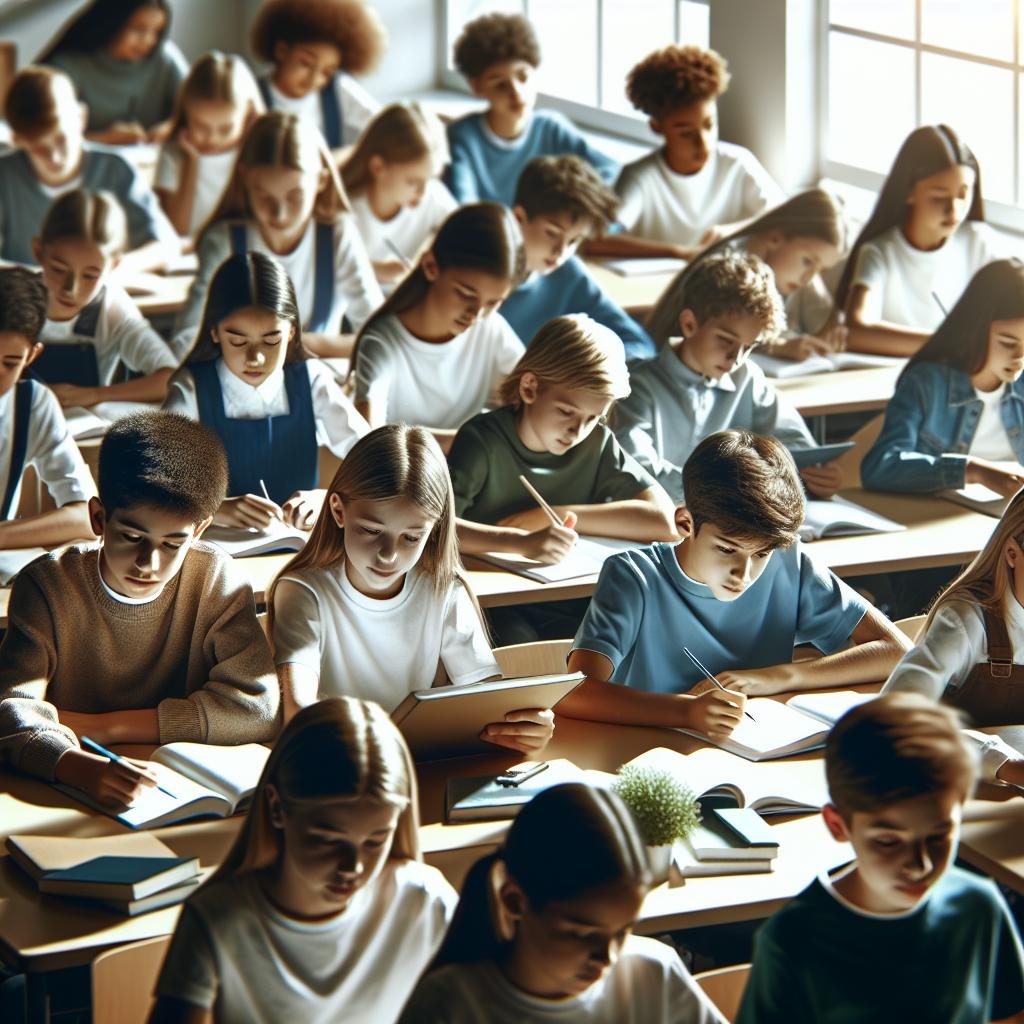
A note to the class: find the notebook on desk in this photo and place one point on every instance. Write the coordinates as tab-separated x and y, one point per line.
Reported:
585	559
644	266
781	369
979	497
13	560
838	517
242	543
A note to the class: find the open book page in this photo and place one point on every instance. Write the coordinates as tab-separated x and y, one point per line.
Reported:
829	707
838	517
782	369
641	266
777	730
13	560
233	772
242	543
585	559
979	497
95	422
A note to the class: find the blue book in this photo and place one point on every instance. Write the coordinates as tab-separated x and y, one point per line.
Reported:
119	878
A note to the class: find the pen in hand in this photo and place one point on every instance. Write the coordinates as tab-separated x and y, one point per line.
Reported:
117	759
701	667
539	498
263	488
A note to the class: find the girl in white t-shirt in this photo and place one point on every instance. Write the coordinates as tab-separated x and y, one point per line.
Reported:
323	909
217	103
285	199
375	605
923	242
436	351
543	928
392	180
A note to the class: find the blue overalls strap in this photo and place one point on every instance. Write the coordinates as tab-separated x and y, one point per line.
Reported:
268	97
24	392
89	319
238	233
279	450
330	113
323	278
73	361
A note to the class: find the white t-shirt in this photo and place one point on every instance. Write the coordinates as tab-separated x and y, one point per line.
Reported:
233	947
438	385
356	292
378	650
338	425
647	985
659	204
990	439
357	106
213	175
123	334
904	282
51	450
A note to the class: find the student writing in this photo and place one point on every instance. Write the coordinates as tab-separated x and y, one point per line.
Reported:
323	908
250	380
543	929
376	605
217	103
166	645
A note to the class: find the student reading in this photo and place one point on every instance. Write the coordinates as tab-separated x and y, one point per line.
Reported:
739	590
146	638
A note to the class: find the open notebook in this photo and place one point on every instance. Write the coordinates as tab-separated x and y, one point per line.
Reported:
838	517
206	780
585	559
95	422
14	560
644	266
979	497
781	369
242	543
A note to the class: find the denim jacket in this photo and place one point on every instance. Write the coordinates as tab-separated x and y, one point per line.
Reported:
929	425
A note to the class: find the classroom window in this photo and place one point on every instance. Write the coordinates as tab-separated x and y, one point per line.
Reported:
895	64
587	46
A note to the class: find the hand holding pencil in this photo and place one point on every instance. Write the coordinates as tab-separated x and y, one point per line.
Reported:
549	544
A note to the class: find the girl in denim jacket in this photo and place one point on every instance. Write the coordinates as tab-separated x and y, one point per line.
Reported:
957	416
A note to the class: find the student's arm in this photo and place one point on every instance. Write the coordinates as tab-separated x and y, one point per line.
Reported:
589	297
637	424
186	989
866	334
299	686
177	176
48	529
150	388
459	175
548	543
296	642
354	278
328	346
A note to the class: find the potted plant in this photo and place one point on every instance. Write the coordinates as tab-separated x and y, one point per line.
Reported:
664	807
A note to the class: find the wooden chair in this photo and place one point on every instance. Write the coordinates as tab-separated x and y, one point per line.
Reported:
911	626
849	462
123	980
543	658
724	987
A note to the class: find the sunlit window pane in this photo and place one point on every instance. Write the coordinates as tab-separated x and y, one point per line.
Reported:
871	100
951	93
886	17
568	41
982	27
632	29
461	11
694	24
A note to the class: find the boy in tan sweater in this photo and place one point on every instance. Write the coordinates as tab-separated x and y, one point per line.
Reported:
143	638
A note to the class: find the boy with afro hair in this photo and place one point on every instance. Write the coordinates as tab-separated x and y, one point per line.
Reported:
694	189
315	47
499	55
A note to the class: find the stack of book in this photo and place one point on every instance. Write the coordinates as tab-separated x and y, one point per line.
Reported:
724	844
129	874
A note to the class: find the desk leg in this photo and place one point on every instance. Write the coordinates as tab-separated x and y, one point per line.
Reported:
818	427
37	998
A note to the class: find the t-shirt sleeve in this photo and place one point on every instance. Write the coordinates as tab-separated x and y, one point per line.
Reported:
136	342
297	626
870	271
569	139
465	652
631	200
828	609
619	476
635	429
168	167
509	344
189	970
775	416
1008	994
468	467
373	370
353	275
340	426
759	189
53	453
612	622
357	106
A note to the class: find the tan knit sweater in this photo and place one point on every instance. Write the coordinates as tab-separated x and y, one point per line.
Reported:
197	654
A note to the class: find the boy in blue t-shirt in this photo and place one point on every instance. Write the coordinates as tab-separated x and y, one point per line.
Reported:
738	591
499	55
560	200
900	934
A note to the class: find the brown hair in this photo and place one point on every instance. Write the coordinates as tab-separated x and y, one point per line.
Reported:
350	25
30	106
745	485
23	301
675	77
87	216
566	184
896	747
493	39
221	78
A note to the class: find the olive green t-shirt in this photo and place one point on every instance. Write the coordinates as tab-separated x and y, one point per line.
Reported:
487	459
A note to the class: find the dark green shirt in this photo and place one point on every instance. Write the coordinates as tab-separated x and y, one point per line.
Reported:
487	459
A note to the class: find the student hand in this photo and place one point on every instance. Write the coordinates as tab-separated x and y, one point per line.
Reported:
110	783
759	682
302	508
1012	772
553	543
715	712
836	337
712	235
188	147
387	271
799	347
822	480
122	133
527	730
160	132
82	724
995	478
71	394
248	511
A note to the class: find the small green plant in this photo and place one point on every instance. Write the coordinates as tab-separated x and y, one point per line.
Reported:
665	808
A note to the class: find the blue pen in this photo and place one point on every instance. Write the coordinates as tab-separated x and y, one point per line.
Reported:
97	749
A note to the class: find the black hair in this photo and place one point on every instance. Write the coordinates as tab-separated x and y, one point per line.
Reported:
98	25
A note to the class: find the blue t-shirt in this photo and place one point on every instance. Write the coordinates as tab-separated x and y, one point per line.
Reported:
485	166
645	608
571	289
954	959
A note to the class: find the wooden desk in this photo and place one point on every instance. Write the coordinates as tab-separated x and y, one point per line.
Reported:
637	294
823	394
159	294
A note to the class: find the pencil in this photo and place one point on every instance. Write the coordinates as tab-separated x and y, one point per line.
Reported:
394	248
938	302
537	497
117	759
701	667
263	488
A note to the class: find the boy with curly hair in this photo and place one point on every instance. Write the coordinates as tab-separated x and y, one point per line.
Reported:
695	189
499	55
702	382
560	200
315	47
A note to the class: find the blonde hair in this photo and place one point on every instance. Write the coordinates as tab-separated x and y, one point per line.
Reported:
87	216
573	352
337	748
281	139
218	78
400	134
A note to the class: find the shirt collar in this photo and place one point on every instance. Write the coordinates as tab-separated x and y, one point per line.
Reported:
680	373
243	393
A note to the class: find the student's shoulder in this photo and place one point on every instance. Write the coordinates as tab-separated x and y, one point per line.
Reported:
469	127
420	883
211	571
933	377
641	568
642	169
106	164
53	570
812	911
961	894
731	154
486	428
553	122
655	956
